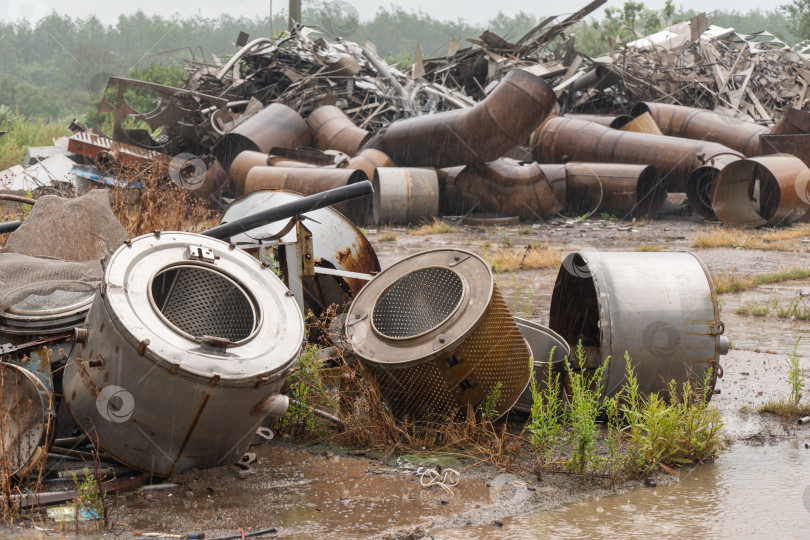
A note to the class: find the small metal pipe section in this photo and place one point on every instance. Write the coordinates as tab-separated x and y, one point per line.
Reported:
768	190
334	130
659	308
275	125
309	181
692	123
291	209
600	77
615	188
804	420
476	135
240	166
507	187
405	195
368	160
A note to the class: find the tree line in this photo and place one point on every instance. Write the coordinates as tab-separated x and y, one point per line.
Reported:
59	66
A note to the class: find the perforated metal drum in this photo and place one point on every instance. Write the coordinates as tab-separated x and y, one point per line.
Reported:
435	332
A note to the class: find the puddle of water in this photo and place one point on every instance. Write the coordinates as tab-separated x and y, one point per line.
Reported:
751	491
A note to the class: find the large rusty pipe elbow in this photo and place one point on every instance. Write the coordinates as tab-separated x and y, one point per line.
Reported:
476	135
692	123
509	188
275	125
334	130
768	190
685	164
309	181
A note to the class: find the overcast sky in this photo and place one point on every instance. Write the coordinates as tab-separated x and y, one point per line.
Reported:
473	11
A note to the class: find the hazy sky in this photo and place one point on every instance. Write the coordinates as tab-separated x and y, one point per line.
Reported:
473	11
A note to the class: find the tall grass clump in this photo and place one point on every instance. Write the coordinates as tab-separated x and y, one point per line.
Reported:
24	132
586	403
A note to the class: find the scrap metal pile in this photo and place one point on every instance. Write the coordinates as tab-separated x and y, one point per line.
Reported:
175	336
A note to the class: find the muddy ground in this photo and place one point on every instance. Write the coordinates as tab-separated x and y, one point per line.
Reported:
326	491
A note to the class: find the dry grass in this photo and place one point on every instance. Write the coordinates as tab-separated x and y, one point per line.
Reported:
767	240
161	206
437	226
786	410
527	258
735	283
649	248
387	235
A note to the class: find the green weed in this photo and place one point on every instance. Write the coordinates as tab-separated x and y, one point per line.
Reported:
546	416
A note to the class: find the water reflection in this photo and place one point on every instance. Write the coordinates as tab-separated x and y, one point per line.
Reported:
751	491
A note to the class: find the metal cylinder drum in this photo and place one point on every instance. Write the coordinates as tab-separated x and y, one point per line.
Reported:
509	188
768	190
547	346
615	122
701	124
188	340
502	121
437	336
623	190
275	125
660	308
309	181
27	409
405	195
334	130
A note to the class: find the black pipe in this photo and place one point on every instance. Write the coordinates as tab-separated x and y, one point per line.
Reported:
9	226
291	209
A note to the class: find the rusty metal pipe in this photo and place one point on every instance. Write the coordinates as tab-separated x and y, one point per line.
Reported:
691	123
470	136
620	189
309	181
275	125
766	190
17	198
368	160
240	167
334	130
600	77
509	188
685	164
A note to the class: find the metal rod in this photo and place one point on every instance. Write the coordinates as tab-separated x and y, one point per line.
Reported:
9	226
293	208
16	198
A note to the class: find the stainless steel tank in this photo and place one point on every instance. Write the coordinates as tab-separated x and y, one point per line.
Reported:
436	334
405	195
542	341
659	307
188	340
